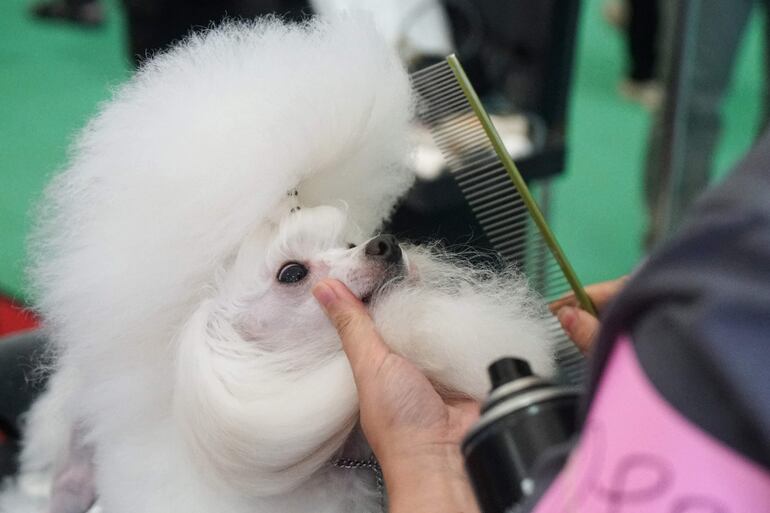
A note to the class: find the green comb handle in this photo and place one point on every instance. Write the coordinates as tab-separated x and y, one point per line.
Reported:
521	186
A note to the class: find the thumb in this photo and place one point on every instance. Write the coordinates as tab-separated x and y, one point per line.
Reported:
581	326
362	344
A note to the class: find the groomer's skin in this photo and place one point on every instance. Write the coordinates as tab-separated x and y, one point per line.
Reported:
414	433
580	325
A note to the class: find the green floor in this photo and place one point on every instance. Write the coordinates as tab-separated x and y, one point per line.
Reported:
52	77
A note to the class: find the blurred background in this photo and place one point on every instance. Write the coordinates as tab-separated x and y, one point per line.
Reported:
578	84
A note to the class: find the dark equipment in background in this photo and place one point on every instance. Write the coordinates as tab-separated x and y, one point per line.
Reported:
524	51
523	418
153	25
519	55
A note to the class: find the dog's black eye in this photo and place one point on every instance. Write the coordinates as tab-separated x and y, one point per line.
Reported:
292	273
351	245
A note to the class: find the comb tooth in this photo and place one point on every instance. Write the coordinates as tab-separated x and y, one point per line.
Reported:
485	172
467	123
437	112
446	121
548	274
568	353
517	258
502	232
480	157
431	73
503	241
565	350
565	353
453	141
553	323
483	166
488	214
516	248
499	228
447	105
427	102
515	243
512	241
443	88
570	360
493	213
469	143
460	128
464	124
480	167
493	197
486	178
522	254
494	200
517	255
460	168
427	81
561	288
452	102
557	292
478	184
558	295
433	89
444	118
455	134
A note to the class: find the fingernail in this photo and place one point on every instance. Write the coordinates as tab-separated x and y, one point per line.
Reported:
566	316
324	294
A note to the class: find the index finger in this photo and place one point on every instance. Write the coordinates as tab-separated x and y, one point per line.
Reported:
360	340
600	293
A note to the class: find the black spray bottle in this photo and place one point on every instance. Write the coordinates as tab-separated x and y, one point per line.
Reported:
523	417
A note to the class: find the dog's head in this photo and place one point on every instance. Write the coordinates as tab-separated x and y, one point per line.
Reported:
277	311
264	392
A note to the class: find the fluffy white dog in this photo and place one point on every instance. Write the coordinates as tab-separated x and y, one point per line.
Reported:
194	370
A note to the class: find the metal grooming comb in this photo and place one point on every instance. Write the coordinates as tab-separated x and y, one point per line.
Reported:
497	194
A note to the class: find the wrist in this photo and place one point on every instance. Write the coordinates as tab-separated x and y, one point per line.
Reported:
427	479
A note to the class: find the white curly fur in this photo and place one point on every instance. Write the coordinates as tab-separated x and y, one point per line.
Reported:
198	381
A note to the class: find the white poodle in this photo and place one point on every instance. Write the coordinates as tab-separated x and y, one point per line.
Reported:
194	371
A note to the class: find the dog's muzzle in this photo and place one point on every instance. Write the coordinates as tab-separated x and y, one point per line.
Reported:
384	251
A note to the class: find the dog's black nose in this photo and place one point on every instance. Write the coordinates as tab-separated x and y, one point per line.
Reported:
384	248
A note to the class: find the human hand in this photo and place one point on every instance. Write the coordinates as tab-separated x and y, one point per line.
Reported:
580	325
413	431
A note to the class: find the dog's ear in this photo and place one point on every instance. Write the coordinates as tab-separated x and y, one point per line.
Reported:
250	419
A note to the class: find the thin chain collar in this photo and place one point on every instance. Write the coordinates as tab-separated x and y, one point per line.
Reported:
371	464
